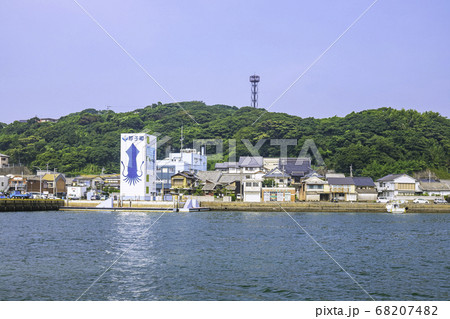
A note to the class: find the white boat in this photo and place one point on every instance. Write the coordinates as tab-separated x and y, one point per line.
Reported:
395	208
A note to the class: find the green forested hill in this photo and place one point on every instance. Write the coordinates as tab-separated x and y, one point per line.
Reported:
375	142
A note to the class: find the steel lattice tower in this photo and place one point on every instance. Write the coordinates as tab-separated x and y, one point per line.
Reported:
254	80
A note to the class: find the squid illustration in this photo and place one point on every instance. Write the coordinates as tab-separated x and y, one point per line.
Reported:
132	177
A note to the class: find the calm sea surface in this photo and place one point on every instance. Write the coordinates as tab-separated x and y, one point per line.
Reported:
223	256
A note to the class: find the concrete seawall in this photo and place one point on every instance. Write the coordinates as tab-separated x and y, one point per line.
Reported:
14	205
321	207
273	206
124	204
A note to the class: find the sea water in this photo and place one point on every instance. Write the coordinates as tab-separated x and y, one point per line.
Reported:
223	256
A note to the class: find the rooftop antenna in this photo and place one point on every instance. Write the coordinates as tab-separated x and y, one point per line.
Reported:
254	80
181	139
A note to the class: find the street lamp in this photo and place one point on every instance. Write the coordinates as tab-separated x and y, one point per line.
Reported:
40	183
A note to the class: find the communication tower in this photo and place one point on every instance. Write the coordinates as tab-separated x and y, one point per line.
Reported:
254	80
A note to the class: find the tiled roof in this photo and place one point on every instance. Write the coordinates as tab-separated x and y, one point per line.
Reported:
208	186
314	180
364	181
437	186
51	177
186	174
3	155
251	161
334	175
341	181
295	166
230	178
389	178
276	173
226	165
211	176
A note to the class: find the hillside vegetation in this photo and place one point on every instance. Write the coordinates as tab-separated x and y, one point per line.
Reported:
375	142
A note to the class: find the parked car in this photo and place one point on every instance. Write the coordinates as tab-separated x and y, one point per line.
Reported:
420	201
19	195
382	200
335	200
440	201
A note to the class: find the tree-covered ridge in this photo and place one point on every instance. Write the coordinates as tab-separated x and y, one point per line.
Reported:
375	142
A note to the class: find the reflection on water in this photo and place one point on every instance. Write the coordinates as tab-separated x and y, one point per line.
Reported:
222	256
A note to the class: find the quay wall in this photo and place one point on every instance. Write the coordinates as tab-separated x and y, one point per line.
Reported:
321	207
13	205
124	204
247	206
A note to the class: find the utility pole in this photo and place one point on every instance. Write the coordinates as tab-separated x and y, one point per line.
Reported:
40	183
181	139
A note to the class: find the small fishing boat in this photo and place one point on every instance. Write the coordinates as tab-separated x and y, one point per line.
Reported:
395	208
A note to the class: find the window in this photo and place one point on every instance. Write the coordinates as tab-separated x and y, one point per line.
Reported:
178	182
255	184
312	186
147	179
405	186
147	189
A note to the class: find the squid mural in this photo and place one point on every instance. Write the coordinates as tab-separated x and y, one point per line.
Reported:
133	174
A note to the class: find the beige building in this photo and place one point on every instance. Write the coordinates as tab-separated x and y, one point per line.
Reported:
343	189
314	189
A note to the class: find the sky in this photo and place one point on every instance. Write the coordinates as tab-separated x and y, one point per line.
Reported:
54	60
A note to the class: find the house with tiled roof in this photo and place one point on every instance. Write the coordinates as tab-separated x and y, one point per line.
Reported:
278	177
184	181
435	188
342	189
365	189
209	181
314	188
393	185
296	167
50	184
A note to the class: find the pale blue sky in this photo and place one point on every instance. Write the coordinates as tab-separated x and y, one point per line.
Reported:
54	60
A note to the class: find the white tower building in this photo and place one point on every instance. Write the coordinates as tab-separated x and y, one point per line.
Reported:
137	166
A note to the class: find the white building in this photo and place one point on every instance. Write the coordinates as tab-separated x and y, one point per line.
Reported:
394	185
4	183
76	192
252	190
137	166
187	160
